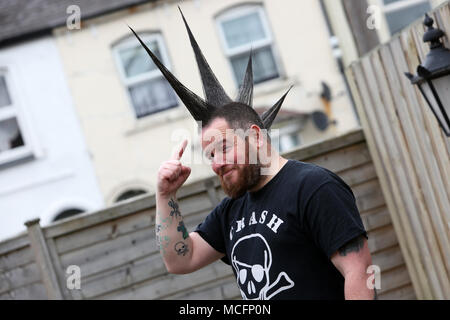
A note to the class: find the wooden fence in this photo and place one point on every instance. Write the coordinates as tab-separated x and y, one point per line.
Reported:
410	152
116	251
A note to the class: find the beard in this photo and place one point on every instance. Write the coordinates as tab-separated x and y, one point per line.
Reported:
247	177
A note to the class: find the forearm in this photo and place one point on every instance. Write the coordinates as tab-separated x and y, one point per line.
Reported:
172	237
356	287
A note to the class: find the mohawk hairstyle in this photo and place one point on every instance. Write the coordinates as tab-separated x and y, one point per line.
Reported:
238	115
216	97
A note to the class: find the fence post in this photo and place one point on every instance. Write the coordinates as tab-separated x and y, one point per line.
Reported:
43	260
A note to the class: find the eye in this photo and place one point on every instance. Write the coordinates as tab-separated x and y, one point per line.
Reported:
208	154
258	272
242	275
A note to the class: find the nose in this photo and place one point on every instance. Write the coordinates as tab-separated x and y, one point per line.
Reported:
251	287
217	166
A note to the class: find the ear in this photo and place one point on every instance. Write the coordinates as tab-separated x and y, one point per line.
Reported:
257	135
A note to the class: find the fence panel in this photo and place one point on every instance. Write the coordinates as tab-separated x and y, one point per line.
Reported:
410	152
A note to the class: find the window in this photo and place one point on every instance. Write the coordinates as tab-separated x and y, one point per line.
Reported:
401	13
12	140
146	87
130	194
241	30
289	141
68	213
287	137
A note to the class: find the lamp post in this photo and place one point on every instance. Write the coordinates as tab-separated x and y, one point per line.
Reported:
433	76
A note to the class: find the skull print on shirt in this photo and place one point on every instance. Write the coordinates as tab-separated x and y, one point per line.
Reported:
253	273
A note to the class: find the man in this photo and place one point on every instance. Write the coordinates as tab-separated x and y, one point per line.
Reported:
290	230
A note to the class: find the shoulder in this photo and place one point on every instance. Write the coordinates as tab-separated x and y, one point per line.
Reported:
223	208
312	178
223	205
310	174
216	217
226	202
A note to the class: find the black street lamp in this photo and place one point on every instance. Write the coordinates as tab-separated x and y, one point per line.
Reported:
433	76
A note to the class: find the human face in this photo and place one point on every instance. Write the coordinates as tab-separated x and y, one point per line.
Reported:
229	155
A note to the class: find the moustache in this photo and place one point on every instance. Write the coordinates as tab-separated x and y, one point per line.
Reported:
223	171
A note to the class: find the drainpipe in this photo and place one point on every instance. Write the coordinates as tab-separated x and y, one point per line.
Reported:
337	53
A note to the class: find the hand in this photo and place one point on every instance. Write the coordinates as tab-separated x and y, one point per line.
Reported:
172	174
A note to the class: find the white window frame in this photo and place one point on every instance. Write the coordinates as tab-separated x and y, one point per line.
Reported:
131	42
13	111
240	11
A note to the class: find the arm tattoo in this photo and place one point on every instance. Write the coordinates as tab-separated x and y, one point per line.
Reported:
181	248
163	243
158	238
353	245
165	223
182	228
175	212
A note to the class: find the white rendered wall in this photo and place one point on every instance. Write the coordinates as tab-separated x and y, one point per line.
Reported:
60	176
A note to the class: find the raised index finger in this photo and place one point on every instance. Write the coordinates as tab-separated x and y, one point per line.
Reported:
179	152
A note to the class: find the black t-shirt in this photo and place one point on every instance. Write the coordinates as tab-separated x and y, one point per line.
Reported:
279	239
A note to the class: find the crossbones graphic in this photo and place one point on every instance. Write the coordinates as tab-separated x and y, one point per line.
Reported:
252	273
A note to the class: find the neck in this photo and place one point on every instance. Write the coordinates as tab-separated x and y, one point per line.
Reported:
273	168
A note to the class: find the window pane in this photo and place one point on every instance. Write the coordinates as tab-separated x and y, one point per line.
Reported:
392	1
243	30
4	95
152	96
288	142
442	86
68	213
135	60
399	19
10	136
130	194
264	67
